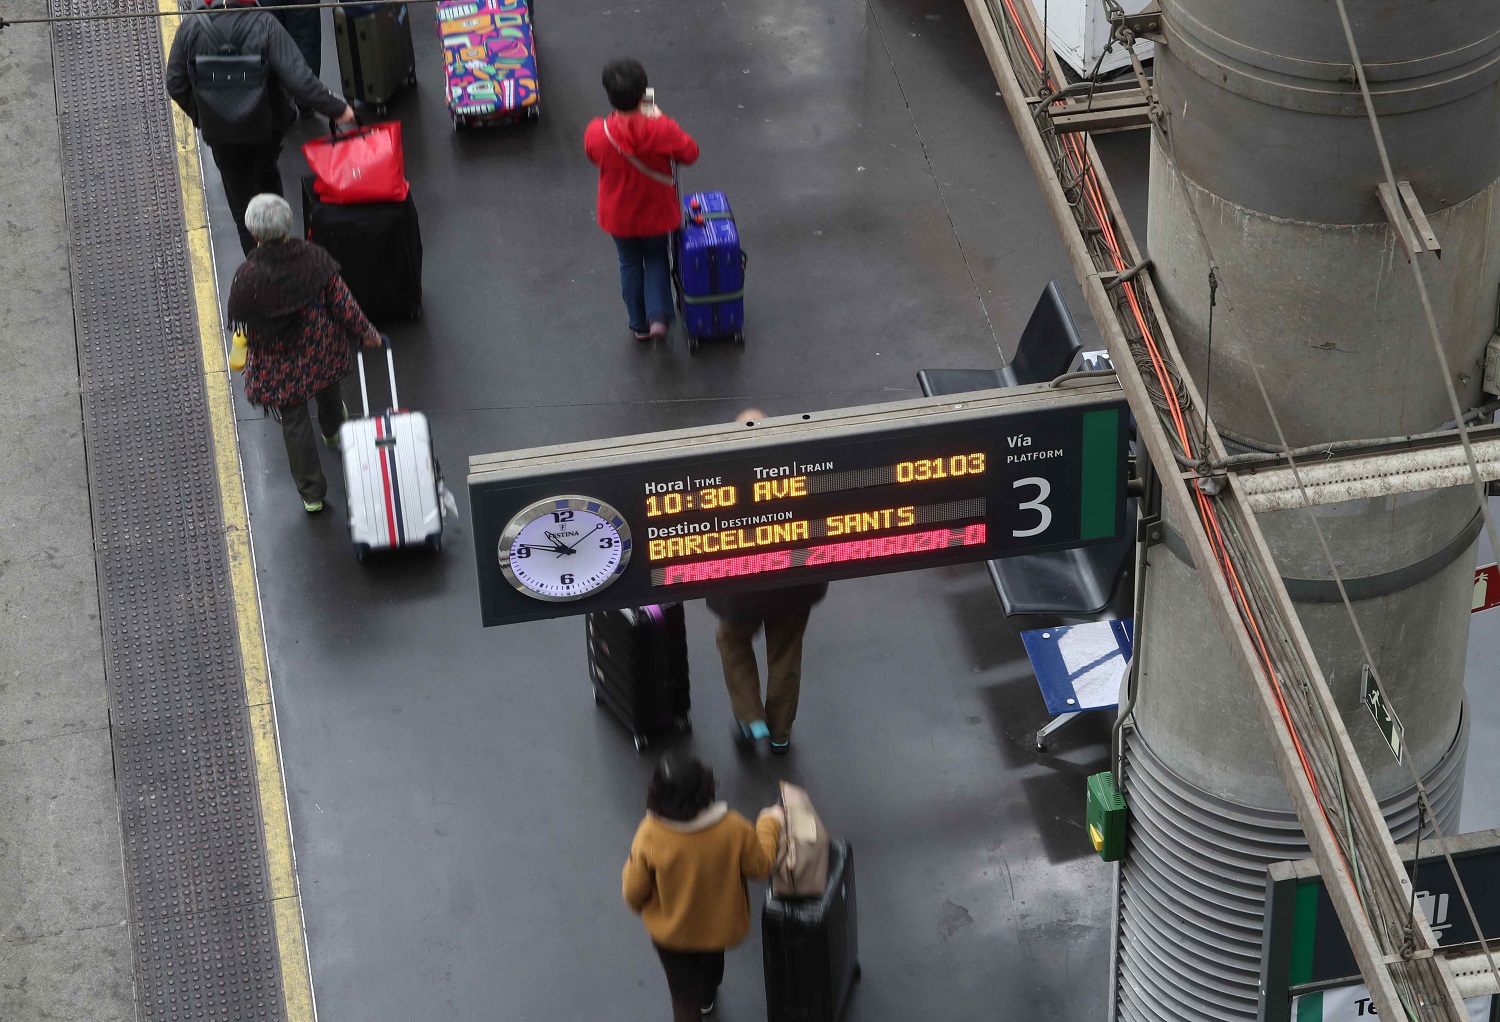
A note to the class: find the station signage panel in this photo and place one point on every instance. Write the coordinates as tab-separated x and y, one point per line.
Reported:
682	515
1308	970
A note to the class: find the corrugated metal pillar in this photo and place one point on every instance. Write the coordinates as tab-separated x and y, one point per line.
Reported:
1271	147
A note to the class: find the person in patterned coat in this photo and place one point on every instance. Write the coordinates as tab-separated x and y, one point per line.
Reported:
302	327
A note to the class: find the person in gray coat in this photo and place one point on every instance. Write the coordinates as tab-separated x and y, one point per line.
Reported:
248	165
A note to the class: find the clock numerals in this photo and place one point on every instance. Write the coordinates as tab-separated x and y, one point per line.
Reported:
564	548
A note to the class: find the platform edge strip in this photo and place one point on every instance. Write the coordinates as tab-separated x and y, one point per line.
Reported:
298	1003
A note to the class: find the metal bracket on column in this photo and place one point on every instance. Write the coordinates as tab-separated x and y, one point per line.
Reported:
1408	220
1149	531
1144	24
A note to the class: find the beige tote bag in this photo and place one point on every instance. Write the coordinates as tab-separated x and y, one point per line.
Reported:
801	869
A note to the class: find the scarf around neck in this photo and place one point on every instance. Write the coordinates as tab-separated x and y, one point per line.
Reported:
273	284
710	816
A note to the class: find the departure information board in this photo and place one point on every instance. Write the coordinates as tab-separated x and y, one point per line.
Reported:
830	495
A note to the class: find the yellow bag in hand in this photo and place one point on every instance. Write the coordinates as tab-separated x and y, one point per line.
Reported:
238	352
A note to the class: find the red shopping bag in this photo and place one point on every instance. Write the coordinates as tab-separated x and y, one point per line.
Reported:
365	165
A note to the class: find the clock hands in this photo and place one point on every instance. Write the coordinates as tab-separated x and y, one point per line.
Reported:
556	548
595	534
574	548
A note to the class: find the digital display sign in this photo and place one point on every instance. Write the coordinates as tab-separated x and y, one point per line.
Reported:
818	497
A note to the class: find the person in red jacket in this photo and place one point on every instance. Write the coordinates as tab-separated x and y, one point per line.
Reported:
634	149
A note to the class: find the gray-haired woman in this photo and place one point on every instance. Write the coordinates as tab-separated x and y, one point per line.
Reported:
302	327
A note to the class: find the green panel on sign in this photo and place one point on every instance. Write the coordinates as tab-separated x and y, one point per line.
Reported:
1101	487
1304	931
1310	1008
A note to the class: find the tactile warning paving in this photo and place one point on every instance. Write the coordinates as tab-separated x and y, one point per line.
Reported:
204	935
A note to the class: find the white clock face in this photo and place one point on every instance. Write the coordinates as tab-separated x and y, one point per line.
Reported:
564	548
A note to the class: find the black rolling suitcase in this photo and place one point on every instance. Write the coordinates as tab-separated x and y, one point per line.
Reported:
376	58
639	667
811	947
379	249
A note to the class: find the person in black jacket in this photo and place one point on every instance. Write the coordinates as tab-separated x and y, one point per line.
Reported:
249	168
783	613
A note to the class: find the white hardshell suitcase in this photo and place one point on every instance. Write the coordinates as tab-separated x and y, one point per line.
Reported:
394	486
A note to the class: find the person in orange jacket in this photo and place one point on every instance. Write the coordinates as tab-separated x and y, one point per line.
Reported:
686	878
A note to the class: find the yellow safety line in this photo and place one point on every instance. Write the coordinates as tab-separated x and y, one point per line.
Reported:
286	904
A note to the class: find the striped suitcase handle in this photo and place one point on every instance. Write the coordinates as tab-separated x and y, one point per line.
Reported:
390	365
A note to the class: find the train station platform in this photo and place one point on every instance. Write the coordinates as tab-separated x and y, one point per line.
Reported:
197	674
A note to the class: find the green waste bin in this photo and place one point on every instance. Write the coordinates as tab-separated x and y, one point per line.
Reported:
1106	817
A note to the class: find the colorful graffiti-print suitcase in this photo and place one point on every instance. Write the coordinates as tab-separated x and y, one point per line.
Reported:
489	60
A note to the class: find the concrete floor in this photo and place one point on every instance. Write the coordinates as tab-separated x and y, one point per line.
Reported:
461	809
66	949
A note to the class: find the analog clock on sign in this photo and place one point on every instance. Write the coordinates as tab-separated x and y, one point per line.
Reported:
564	548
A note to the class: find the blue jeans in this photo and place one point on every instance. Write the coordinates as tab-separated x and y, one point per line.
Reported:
645	280
306	29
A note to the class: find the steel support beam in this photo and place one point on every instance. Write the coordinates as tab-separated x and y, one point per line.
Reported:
1358	476
1437	987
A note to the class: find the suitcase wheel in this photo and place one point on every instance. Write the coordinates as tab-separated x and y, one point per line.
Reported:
692	343
683	723
857	971
534	111
641	742
435	542
361	550
739	338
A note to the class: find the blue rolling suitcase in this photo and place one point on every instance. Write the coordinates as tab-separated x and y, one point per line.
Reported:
710	270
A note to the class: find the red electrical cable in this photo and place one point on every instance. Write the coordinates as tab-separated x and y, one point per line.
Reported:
1093	194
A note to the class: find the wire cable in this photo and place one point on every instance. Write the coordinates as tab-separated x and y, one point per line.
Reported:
1378	895
1463	432
1421	281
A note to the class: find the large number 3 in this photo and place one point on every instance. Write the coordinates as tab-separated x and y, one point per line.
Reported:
1043	491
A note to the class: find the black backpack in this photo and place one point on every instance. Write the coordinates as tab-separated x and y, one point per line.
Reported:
231	90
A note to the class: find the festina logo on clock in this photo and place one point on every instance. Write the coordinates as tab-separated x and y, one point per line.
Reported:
564	548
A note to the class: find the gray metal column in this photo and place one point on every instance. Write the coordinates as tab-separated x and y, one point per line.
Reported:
1270	145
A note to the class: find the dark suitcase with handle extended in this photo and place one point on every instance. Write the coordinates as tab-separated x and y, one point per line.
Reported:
378	246
811	947
376	58
639	667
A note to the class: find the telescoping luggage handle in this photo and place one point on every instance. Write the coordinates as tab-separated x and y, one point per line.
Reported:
390	365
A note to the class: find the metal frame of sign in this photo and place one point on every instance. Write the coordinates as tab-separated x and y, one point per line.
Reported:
1304	949
822	495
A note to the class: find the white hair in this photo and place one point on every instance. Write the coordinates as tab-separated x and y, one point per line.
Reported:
269	218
